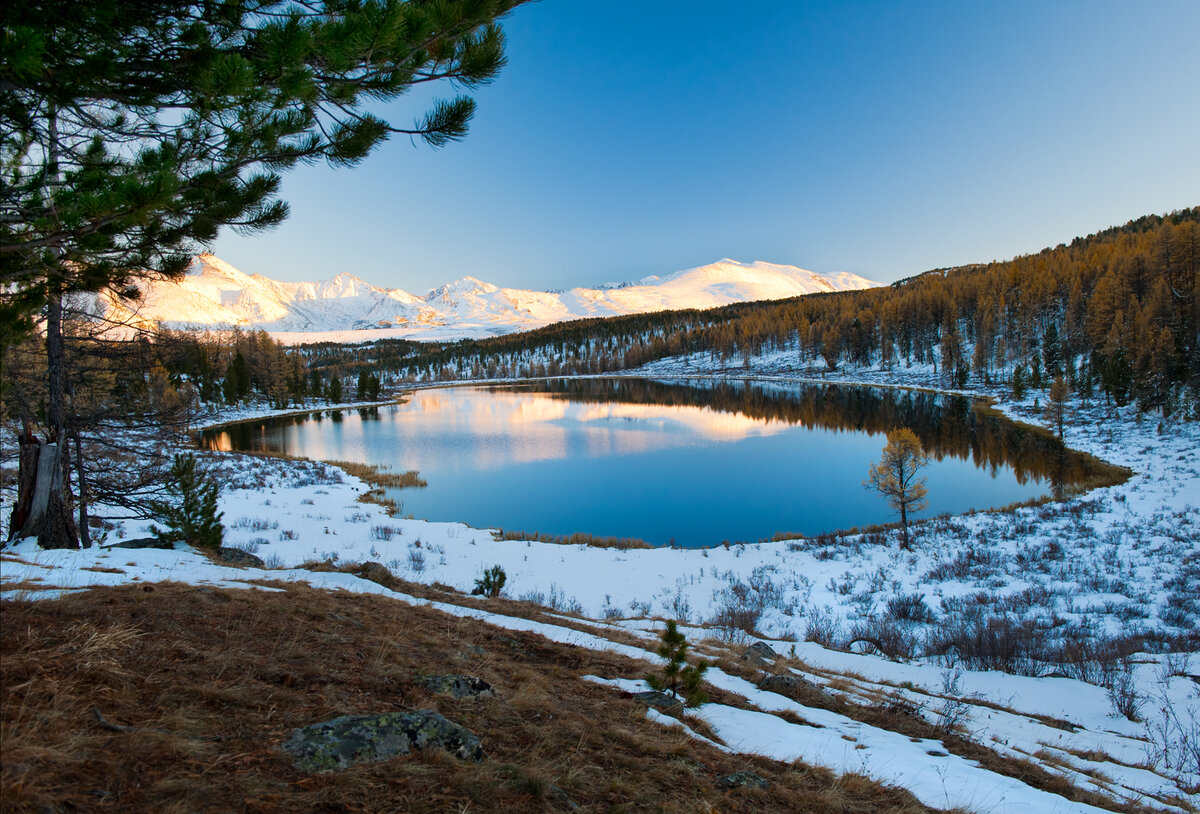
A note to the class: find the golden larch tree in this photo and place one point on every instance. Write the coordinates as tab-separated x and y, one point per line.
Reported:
896	476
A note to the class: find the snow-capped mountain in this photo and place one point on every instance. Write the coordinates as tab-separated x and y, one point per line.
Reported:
216	296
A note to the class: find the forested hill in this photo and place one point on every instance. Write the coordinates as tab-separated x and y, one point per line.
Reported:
1117	310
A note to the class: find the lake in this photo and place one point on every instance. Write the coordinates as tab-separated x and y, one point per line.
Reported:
684	462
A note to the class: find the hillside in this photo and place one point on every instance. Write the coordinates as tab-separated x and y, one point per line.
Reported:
215	295
196	687
1113	313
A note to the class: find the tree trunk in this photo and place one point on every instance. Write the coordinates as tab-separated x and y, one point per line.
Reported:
50	516
84	534
28	450
39	501
55	528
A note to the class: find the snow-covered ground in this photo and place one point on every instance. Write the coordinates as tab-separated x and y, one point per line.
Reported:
1119	560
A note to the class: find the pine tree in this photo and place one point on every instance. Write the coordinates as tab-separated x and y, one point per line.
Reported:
679	678
192	516
1018	383
1052	351
132	131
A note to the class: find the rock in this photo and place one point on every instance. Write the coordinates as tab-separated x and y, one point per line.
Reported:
661	701
458	686
353	739
562	797
759	653
793	686
377	572
236	556
742	779
143	542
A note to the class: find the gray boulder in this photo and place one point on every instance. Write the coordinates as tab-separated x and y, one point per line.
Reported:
143	542
661	701
742	779
793	686
353	739
236	556
458	686
759	654
377	572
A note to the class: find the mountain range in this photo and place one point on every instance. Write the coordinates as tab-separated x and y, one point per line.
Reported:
214	295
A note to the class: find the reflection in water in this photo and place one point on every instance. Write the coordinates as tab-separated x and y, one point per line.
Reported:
696	461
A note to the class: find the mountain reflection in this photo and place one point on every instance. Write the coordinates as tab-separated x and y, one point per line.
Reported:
498	425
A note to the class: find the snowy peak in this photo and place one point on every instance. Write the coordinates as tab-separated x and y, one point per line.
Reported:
758	281
463	287
215	295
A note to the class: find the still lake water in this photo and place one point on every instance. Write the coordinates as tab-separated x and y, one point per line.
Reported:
690	462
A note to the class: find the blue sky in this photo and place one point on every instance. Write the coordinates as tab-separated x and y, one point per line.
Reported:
637	137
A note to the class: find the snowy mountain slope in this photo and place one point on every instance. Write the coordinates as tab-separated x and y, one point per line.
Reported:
215	295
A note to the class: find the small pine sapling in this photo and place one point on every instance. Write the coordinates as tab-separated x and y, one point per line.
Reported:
192	515
491	583
679	678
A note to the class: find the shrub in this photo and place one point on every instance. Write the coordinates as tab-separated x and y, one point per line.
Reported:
995	643
1123	693
491	583
191	516
823	628
678	677
887	637
909	608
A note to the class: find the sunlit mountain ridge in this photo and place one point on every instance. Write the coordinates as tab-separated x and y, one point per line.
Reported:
216	296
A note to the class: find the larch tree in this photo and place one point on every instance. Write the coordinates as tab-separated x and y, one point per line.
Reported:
1056	404
897	476
132	131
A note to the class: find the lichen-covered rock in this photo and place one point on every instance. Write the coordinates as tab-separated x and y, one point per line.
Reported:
236	556
742	779
661	701
458	686
377	572
793	686
352	739
759	653
143	542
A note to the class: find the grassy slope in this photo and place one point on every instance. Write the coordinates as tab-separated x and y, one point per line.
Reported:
212	680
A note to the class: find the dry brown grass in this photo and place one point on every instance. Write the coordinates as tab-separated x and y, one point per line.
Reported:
380	477
197	685
578	538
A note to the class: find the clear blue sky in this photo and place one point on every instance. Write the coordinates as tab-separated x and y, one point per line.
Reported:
637	137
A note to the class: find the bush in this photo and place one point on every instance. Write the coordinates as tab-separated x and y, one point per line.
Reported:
885	635
491	583
192	516
909	608
995	643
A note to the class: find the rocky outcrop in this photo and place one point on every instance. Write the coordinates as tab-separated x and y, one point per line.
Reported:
759	654
353	739
661	701
377	572
236	556
143	542
792	686
458	686
742	779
